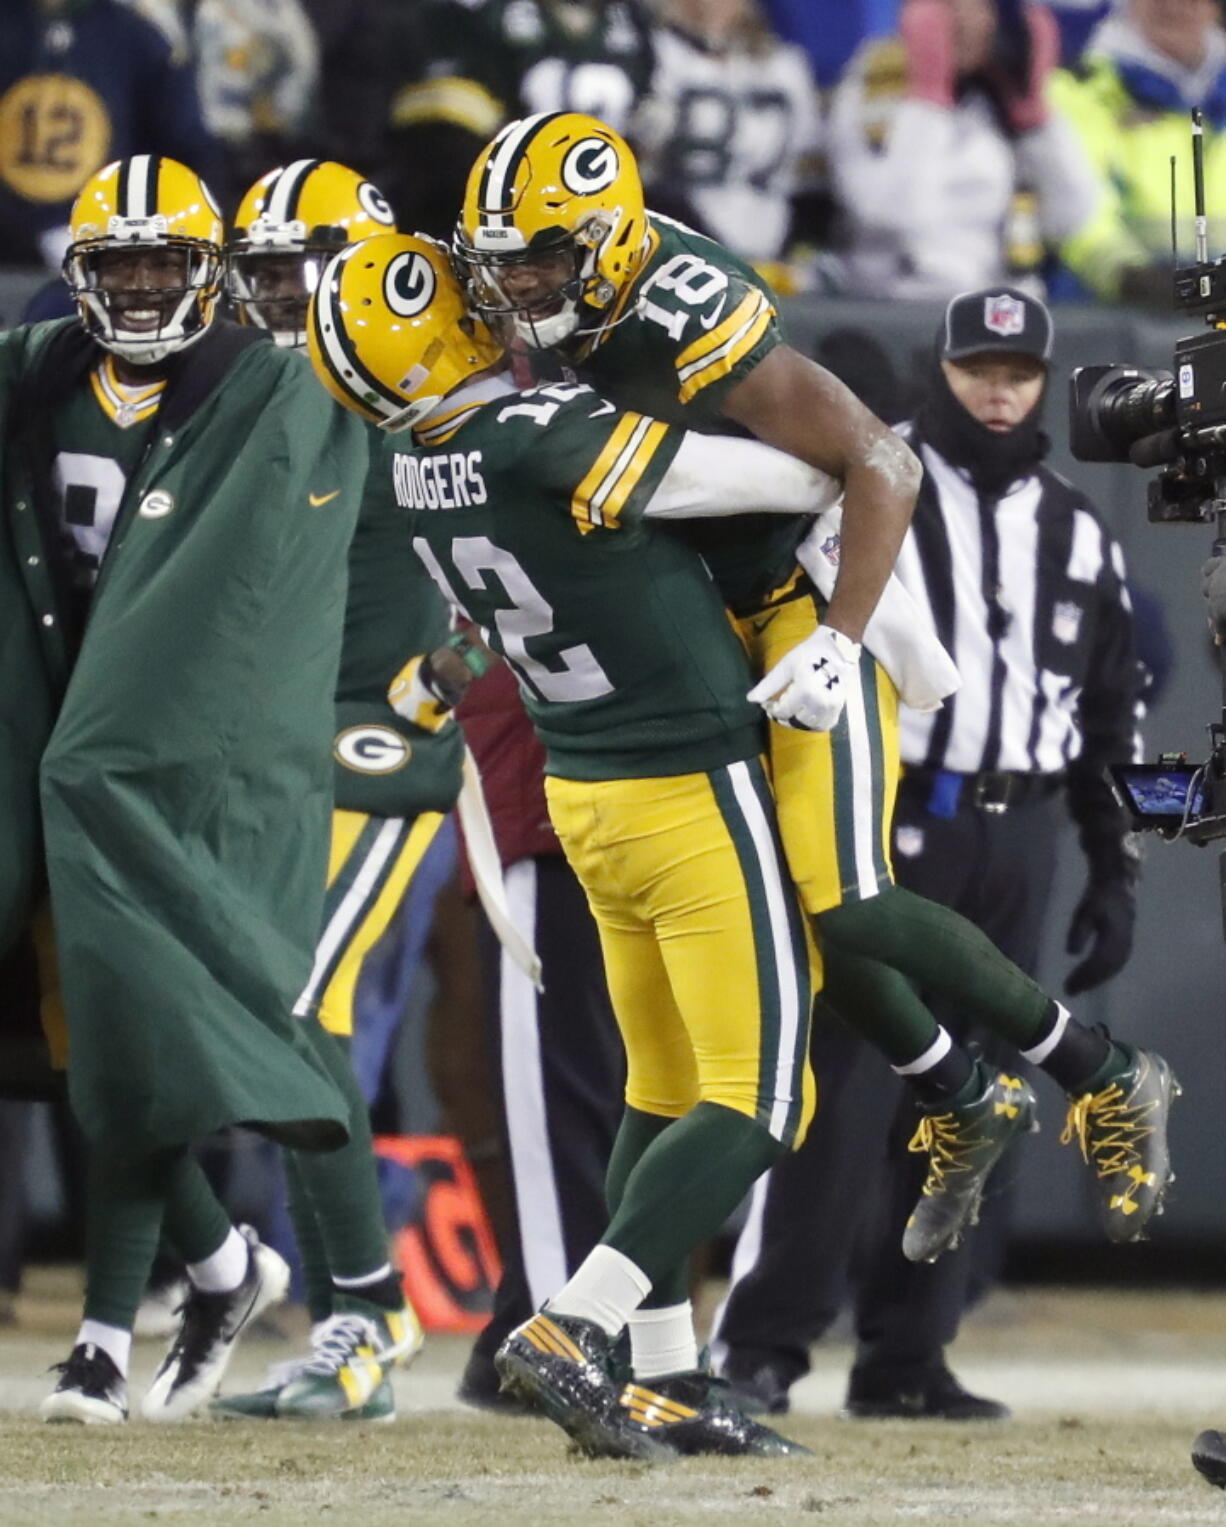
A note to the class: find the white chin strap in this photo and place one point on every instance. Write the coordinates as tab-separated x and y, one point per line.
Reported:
147	352
545	333
136	346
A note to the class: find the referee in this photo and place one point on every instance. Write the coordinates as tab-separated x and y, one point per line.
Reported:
1026	591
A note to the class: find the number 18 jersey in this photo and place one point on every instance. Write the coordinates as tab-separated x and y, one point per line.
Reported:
528	510
694	323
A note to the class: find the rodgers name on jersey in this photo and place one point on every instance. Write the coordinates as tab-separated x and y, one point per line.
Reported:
451	481
626	661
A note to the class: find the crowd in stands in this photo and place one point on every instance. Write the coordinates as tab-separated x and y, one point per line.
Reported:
881	148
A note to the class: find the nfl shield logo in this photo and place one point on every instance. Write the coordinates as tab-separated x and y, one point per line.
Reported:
830	549
1004	315
1066	622
909	842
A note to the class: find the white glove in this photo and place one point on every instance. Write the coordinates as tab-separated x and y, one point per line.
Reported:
808	687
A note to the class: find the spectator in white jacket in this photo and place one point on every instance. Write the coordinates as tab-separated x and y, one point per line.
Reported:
949	166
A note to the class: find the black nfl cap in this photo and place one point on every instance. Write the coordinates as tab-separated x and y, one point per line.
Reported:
996	318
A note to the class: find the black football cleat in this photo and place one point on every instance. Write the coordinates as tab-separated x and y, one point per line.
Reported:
932	1395
1209	1458
963	1145
561	1364
695	1413
91	1389
1121	1130
756	1385
481	1388
209	1328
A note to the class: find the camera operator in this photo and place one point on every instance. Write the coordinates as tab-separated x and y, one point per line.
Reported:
1026	592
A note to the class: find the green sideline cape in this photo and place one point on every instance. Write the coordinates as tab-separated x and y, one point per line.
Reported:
176	753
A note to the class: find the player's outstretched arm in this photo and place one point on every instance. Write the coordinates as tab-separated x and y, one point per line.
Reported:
716	475
790	402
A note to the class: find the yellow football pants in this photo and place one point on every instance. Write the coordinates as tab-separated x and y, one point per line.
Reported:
370	864
835	790
710	965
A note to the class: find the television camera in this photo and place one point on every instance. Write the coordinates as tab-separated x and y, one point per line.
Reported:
1176	421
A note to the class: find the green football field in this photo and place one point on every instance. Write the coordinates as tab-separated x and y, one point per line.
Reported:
1108	1389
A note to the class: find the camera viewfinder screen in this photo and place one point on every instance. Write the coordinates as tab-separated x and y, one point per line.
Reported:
1162	792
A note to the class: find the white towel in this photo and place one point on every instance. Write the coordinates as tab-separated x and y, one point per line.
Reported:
487	871
900	634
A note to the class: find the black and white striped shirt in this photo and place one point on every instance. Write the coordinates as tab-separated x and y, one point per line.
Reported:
1027	594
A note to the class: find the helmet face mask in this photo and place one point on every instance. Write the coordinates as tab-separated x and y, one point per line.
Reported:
288	226
553	229
545	293
273	290
145	261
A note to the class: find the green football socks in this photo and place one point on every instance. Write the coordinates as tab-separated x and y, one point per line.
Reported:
689	1175
940	951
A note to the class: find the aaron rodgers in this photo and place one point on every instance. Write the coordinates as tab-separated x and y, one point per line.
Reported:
533	512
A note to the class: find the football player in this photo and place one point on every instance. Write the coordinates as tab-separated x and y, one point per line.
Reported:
561	252
532	511
482	62
175	499
395	781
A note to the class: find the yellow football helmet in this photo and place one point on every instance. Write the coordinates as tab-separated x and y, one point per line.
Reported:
389	332
289	224
145	261
557	194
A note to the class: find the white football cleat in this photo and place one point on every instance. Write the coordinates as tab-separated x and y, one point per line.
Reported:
192	1370
91	1389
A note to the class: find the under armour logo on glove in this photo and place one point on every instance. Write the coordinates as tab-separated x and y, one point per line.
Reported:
808	688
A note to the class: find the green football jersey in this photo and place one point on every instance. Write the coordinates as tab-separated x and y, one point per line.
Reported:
694	323
99	440
527	56
528	515
394	610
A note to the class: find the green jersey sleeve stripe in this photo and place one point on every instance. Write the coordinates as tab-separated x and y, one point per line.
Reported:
712	363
